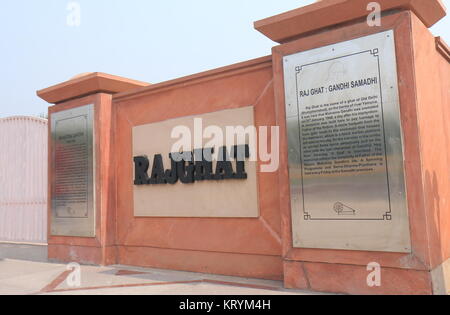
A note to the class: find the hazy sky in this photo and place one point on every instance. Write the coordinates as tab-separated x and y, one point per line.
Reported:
146	40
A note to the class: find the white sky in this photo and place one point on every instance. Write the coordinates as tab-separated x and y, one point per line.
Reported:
146	40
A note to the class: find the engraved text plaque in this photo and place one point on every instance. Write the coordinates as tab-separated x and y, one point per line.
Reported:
345	147
73	206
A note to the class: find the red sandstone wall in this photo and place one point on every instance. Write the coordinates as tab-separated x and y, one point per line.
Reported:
444	199
345	271
242	247
98	250
256	247
432	74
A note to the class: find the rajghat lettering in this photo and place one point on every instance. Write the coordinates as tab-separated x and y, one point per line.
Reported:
188	167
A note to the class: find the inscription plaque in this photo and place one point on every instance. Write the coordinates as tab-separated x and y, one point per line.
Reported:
73	206
345	147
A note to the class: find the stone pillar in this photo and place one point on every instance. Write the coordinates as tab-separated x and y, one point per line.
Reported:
81	204
341	251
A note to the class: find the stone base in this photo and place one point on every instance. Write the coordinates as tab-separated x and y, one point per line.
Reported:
351	279
86	255
441	279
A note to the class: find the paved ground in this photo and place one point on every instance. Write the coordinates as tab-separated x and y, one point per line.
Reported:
31	252
26	277
36	277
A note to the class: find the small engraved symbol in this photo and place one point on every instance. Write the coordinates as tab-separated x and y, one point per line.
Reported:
71	211
342	209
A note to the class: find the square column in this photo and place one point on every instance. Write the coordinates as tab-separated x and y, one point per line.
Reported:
81	204
344	229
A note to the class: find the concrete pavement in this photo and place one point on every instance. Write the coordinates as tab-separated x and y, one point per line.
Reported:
23	251
26	277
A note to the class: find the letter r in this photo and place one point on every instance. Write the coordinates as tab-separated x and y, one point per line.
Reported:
141	165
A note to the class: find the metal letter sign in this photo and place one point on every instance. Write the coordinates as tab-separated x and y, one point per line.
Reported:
345	147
